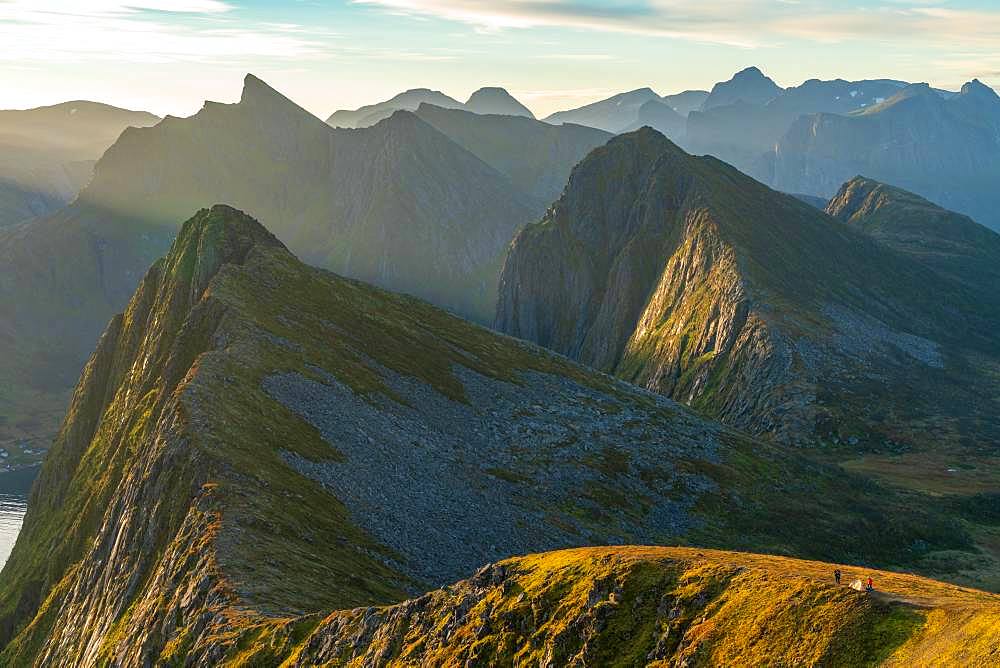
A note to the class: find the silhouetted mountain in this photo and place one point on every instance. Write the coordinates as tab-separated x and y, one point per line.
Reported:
686	102
536	156
496	101
47	153
406	101
662	118
744	133
947	150
612	115
749	86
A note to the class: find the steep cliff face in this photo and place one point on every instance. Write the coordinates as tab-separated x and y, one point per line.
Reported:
255	440
683	275
947	150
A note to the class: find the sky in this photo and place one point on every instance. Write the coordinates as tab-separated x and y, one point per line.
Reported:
168	56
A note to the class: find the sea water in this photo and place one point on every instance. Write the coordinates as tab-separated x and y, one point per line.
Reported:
14	488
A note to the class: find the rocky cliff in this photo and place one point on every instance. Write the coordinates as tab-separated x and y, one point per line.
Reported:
691	279
255	441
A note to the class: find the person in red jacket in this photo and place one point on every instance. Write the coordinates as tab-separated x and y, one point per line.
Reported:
871	585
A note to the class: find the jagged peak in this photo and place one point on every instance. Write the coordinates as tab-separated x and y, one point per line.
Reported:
254	88
258	94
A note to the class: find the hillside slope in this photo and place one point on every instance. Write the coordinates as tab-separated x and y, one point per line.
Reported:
255	440
687	277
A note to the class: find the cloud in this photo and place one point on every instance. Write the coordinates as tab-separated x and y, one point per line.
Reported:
745	23
149	31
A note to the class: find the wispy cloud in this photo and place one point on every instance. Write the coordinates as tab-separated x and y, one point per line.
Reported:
142	31
745	23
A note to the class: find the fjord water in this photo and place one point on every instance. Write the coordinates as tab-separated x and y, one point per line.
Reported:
14	488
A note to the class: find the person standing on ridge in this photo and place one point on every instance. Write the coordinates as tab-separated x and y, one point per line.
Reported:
836	576
871	585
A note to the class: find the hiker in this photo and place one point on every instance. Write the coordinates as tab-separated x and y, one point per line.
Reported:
870	586
836	576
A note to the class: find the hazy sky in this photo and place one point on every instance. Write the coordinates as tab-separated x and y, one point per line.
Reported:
167	56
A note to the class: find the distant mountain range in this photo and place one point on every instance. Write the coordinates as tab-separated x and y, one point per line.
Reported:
632	110
255	440
483	101
47	154
946	149
399	204
689	278
811	138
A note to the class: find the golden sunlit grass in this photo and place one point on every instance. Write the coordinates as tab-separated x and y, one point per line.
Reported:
659	606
